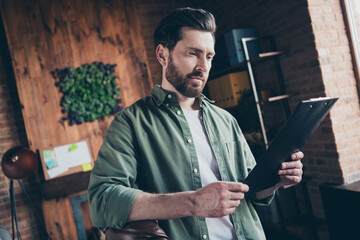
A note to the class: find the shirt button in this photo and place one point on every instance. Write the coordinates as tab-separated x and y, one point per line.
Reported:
195	171
178	112
169	96
189	140
167	105
204	236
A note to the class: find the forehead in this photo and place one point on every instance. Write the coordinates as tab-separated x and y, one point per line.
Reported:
192	38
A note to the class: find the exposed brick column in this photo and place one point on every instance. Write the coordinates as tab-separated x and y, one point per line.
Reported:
12	133
332	44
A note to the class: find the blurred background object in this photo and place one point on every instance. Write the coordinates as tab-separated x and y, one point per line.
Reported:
18	163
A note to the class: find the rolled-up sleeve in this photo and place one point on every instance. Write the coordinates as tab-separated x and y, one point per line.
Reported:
111	189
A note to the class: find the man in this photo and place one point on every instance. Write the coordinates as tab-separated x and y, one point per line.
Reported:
177	158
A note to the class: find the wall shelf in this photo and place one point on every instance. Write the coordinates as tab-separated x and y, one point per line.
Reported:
266	55
247	65
277	98
242	65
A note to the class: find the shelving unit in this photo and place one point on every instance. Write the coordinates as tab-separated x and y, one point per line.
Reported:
243	65
300	221
248	66
274	54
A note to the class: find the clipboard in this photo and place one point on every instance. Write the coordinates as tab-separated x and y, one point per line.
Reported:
297	130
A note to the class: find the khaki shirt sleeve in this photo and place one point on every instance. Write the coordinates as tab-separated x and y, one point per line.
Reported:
111	189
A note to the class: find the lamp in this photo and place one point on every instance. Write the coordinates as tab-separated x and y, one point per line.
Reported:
18	163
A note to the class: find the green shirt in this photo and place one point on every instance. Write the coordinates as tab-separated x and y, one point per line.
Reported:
149	145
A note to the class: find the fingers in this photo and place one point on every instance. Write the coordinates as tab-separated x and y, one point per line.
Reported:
297	156
225	212
234	204
219	198
291	179
291	168
292	172
234	192
236	187
236	196
292	164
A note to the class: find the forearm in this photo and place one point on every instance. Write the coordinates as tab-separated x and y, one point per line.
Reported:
266	192
217	199
162	206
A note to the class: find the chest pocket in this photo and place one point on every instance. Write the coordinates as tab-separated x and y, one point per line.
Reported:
236	161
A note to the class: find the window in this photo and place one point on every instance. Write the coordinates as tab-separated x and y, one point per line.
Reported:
351	9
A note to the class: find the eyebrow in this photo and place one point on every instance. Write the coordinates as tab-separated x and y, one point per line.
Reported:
201	51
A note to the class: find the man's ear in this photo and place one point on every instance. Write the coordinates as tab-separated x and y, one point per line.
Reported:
162	54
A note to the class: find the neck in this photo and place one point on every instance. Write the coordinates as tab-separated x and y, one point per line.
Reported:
185	103
188	103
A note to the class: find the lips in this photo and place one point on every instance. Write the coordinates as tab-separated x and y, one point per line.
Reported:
197	78
197	81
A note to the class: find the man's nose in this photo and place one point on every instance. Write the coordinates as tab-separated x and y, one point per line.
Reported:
203	64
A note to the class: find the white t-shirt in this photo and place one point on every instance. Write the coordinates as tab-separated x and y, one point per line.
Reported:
219	228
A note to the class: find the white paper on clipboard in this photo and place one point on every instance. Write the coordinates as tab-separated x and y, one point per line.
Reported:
68	158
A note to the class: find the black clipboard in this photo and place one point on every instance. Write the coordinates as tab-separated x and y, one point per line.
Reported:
297	130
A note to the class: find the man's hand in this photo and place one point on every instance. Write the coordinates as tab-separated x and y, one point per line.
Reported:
290	174
219	199
291	171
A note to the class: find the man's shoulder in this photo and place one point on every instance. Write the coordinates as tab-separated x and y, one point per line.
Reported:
144	102
140	105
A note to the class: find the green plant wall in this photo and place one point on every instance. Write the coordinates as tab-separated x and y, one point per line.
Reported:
89	92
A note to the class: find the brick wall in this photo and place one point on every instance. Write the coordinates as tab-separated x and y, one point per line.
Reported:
336	65
12	133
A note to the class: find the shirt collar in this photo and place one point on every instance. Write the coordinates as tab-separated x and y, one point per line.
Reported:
160	95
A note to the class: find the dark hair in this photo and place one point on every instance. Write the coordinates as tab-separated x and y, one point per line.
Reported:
169	30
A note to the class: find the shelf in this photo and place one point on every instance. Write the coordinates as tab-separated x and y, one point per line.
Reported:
263	56
243	65
231	69
246	66
277	98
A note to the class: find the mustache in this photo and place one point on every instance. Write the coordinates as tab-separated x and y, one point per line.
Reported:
195	74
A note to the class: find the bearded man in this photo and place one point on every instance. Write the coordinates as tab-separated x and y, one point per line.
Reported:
177	158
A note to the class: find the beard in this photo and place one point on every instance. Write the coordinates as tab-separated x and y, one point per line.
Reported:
182	82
